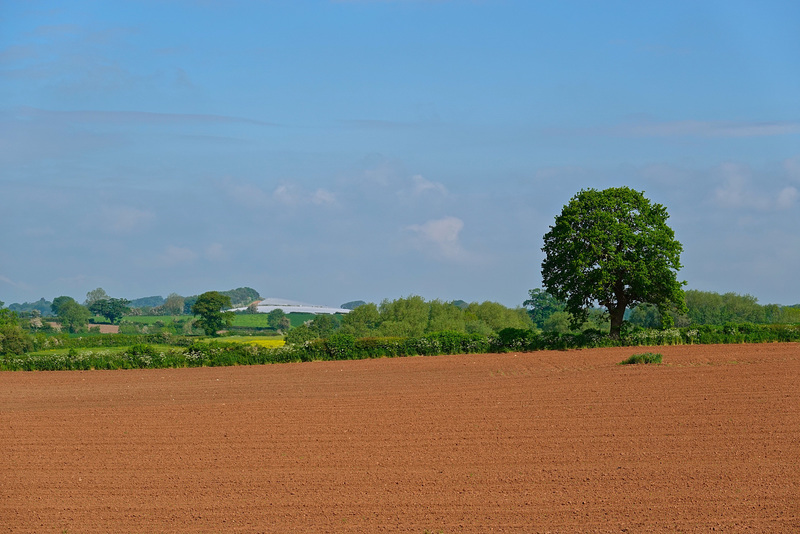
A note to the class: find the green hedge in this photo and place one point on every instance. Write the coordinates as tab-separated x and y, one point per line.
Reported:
189	353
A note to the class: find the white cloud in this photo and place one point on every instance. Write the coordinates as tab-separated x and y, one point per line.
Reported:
126	220
710	129
787	197
9	281
173	255
291	195
735	192
127	117
249	195
216	252
792	166
422	185
323	197
440	236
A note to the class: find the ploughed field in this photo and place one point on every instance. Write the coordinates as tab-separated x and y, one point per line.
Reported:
537	442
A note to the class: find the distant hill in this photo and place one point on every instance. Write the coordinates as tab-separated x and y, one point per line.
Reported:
147	302
242	296
41	305
352	305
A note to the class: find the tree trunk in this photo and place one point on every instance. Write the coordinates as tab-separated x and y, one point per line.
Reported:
617	317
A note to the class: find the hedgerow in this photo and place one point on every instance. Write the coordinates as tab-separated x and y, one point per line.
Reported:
142	351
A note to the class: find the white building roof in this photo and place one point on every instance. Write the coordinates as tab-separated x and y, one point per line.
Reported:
291	306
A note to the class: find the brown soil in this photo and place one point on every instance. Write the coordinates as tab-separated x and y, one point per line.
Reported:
541	442
106	328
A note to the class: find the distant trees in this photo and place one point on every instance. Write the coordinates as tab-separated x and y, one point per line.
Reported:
95	295
413	316
363	321
352	305
42	306
612	247
241	296
174	304
278	320
111	308
209	307
541	305
72	316
707	307
13	339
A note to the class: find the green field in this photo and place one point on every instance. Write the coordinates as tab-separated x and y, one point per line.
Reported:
247	320
152	319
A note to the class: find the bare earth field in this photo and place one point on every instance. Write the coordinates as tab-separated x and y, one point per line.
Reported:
540	442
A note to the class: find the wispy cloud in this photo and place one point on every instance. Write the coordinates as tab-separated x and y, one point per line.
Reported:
292	195
787	198
216	252
440	237
421	186
688	128
709	129
125	219
736	191
145	117
174	255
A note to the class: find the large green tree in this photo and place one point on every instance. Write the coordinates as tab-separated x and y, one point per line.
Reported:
209	307
71	315
110	308
612	247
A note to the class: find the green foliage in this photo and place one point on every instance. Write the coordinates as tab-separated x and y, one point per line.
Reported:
496	316
72	316
173	305
95	295
209	307
13	339
363	321
118	351
241	296
444	316
60	302
278	320
542	305
352	305
643	358
110	308
705	307
44	307
404	317
413	317
148	302
300	335
612	247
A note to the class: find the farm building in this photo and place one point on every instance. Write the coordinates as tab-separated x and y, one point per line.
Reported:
290	306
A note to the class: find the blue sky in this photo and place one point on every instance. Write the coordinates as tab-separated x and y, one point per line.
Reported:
329	151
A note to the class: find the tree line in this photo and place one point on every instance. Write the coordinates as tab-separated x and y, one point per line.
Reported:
413	316
702	308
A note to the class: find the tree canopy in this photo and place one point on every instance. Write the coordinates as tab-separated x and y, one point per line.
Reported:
615	248
110	308
71	315
541	305
209	307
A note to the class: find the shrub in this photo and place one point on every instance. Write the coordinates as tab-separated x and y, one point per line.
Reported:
644	358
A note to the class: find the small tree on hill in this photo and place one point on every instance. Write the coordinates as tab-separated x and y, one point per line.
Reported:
612	247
